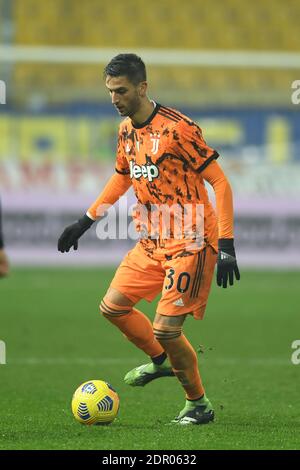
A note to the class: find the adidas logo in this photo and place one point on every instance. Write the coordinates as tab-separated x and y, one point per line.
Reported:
179	303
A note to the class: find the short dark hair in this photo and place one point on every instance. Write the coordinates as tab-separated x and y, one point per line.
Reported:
129	65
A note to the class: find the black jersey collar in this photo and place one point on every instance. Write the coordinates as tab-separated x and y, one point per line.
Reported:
154	112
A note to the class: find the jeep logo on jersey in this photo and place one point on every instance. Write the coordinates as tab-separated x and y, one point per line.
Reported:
148	171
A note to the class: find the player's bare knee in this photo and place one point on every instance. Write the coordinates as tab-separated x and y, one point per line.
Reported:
166	333
116	297
115	304
167	328
111	310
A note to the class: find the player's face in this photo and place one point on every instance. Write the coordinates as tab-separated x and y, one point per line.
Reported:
125	96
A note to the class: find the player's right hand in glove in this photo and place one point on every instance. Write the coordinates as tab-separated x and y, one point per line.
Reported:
226	263
72	233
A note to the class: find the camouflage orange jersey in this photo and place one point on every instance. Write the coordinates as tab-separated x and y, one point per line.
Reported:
164	158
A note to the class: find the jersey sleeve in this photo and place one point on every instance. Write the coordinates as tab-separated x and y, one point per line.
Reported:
188	141
122	166
215	176
114	189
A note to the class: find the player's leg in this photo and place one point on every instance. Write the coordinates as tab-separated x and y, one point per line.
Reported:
137	277
185	291
186	287
137	328
183	358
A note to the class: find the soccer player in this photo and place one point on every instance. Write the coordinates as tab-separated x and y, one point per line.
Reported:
4	268
163	155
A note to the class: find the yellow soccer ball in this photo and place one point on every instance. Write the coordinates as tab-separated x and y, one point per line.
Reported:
95	402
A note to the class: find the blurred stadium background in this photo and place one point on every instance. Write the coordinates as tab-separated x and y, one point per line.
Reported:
231	68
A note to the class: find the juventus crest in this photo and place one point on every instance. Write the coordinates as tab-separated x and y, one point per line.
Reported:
155	141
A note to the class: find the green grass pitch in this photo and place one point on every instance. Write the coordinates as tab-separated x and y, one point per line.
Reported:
56	339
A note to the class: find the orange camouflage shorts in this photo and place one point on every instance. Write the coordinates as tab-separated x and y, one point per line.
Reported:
184	282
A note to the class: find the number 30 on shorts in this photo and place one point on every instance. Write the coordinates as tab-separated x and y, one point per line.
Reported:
183	281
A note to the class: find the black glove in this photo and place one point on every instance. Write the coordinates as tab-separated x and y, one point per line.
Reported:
72	233
226	263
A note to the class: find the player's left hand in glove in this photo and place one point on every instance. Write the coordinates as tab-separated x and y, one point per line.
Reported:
227	266
72	233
